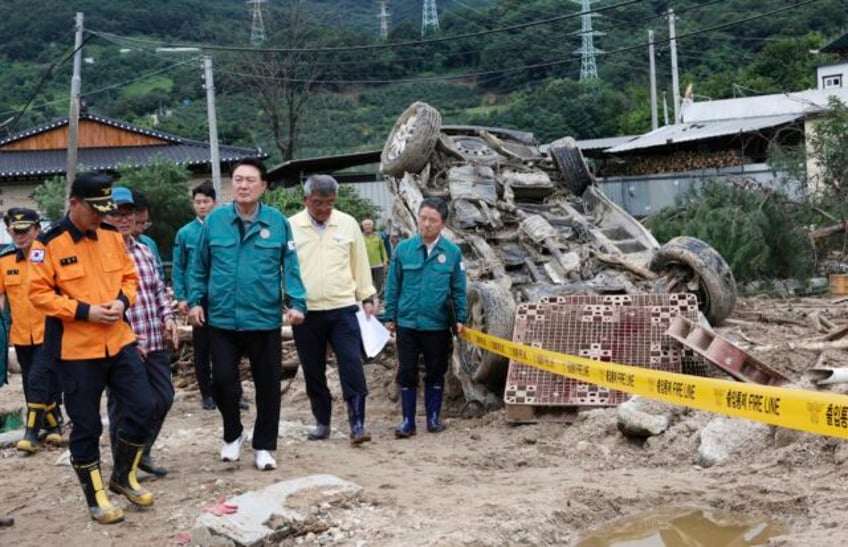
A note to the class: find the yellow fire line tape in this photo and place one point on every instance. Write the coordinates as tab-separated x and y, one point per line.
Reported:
811	411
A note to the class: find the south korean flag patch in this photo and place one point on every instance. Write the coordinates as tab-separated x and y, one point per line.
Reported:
461	265
36	256
291	245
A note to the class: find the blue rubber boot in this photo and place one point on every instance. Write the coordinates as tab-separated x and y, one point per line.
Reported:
356	418
433	407
406	428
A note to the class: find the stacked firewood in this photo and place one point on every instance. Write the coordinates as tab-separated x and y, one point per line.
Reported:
682	160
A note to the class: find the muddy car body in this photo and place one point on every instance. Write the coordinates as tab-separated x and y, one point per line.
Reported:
531	223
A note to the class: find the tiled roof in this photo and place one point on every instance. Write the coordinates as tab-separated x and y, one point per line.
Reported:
54	162
21	163
840	45
95	118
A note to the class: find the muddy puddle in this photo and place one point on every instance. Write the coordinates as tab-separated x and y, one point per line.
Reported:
684	527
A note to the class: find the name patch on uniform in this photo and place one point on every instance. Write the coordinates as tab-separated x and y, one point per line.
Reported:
264	233
36	256
292	245
12	272
68	261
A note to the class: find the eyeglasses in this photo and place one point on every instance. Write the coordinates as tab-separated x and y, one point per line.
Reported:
146	224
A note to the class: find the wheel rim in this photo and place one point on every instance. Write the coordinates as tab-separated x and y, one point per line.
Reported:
476	320
401	137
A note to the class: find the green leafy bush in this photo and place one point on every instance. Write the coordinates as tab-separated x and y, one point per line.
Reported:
165	185
758	232
290	201
49	196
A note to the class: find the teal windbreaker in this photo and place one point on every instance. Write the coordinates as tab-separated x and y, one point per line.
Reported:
185	243
420	288
243	278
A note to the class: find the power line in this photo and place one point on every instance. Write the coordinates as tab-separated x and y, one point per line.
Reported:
337	49
40	85
114	86
527	67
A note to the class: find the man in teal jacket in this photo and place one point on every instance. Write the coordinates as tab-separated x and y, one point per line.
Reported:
245	261
203	202
425	300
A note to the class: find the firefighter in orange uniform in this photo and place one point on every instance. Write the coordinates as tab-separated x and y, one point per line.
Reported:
41	389
84	281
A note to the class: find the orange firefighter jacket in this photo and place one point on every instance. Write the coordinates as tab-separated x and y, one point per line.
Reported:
73	271
27	322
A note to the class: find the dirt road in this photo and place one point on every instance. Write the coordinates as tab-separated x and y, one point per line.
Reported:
481	482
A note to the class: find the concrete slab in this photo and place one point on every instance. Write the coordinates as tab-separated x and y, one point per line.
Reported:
246	527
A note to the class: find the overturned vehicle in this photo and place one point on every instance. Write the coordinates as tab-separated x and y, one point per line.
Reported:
533	224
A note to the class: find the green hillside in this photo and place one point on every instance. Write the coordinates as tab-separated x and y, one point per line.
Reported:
495	62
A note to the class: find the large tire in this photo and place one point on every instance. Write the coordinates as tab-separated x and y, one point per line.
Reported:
696	267
571	164
411	141
491	309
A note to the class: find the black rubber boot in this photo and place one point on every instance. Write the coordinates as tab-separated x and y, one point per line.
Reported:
34	418
99	506
356	418
148	464
406	429
320	433
53	423
124	481
433	407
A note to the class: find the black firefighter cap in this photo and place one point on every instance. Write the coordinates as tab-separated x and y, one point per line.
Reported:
20	218
96	190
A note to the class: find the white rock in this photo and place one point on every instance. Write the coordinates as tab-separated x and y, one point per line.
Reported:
723	436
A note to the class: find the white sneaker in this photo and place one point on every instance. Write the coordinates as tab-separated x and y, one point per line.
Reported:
230	452
265	461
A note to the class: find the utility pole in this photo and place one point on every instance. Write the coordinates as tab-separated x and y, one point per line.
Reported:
587	51
74	111
257	25
429	18
665	108
675	80
383	16
653	69
213	125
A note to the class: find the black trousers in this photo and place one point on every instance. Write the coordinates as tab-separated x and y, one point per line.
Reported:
263	349
378	276
83	382
202	368
435	346
38	371
340	330
157	368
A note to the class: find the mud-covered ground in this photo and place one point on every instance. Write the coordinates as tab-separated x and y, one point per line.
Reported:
481	482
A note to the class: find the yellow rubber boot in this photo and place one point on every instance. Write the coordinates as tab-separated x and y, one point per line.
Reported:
124	481
35	415
99	506
54	429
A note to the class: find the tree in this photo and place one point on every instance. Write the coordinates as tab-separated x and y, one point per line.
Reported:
165	185
50	197
758	231
290	201
282	83
828	145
